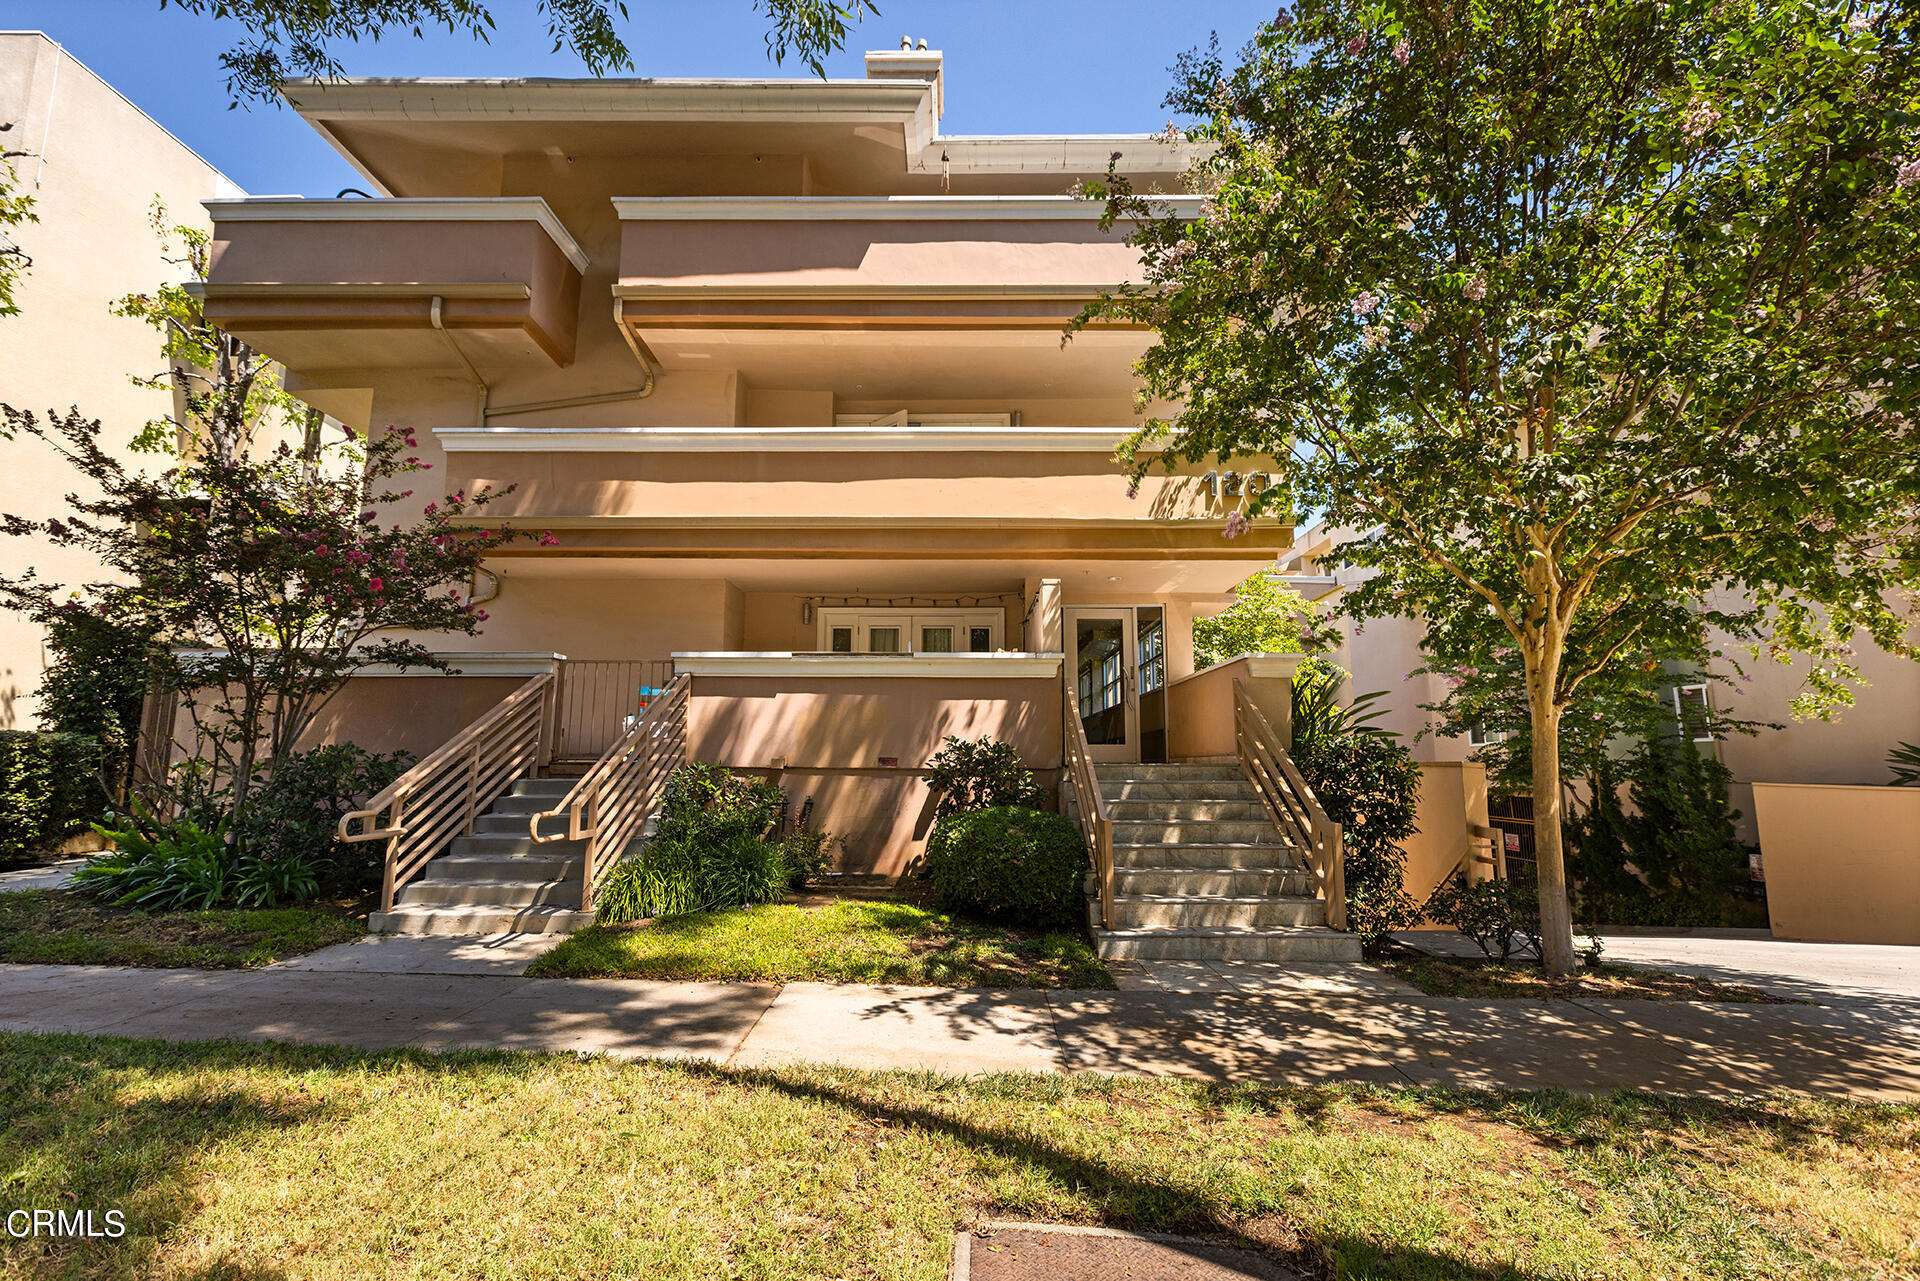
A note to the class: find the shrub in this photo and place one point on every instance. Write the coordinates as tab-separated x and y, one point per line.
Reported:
1025	865
808	854
49	789
1491	913
703	802
294	819
1674	859
96	683
981	774
172	865
1369	783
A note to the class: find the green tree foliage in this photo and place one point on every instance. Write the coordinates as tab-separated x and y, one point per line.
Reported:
15	209
1266	617
1368	783
1630	702
1590	312
48	790
284	40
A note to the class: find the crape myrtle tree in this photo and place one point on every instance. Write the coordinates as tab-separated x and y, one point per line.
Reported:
261	573
1592	316
283	39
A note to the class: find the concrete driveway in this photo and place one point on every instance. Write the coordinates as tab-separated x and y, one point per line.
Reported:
1830	973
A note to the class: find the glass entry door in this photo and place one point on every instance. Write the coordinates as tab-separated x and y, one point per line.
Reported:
1104	682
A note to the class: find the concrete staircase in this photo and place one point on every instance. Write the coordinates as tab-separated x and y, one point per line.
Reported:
496	881
1202	873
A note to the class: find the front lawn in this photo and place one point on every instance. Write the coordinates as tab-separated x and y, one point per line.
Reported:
1483	979
60	927
840	941
264	1160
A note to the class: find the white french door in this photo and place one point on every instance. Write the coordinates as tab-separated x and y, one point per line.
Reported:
1103	678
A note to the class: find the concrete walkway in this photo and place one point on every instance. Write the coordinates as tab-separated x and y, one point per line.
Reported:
1863	1050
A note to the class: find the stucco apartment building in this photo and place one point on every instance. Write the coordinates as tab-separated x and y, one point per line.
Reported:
95	163
781	366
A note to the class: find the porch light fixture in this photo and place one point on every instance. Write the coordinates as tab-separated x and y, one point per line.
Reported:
806	611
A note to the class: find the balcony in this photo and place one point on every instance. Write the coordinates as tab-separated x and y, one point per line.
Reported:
875	297
359	284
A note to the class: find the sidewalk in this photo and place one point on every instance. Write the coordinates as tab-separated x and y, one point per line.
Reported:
1865	1050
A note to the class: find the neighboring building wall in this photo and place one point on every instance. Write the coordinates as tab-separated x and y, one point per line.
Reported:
94	180
1843	863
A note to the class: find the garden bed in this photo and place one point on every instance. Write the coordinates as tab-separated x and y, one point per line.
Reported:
250	1160
59	927
836	941
1487	979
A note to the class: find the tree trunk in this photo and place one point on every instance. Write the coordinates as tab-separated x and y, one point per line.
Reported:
1556	914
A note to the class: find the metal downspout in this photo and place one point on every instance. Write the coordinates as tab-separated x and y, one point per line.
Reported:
472	373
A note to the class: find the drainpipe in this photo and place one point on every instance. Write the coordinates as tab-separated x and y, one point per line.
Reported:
478	381
633	345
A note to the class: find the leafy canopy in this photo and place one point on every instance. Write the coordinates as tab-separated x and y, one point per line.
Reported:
1596	315
284	41
1266	617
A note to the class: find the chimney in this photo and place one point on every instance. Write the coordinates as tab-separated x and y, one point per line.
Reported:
911	61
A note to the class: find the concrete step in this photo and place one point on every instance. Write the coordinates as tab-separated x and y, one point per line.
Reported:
454	892
524	803
1128	789
1155	854
502	867
1244	831
513	824
478	919
1191	810
509	843
1278	943
1228	882
552	787
1120	772
1190	912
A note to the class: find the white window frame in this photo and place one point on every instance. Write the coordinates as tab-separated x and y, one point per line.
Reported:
1478	736
910	619
1706	709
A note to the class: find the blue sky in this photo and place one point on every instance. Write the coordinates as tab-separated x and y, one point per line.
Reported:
1056	66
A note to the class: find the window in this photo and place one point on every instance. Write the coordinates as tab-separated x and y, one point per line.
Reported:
1480	736
1693	712
1152	656
904	630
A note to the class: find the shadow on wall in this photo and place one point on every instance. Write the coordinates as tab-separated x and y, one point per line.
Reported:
9	699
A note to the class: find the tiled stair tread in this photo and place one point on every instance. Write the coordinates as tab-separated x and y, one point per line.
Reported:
1212	898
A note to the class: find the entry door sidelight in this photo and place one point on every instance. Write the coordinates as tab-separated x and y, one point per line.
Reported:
1101	661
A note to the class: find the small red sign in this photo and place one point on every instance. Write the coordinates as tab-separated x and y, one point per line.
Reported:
1513	842
889	762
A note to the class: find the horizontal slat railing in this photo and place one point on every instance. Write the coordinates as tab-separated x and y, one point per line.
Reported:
1096	827
441	796
601	699
610	804
1291	803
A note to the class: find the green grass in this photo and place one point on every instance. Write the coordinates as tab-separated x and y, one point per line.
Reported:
59	927
256	1161
839	941
1483	979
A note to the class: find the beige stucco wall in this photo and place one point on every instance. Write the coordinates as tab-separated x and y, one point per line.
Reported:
1842	863
826	738
407	713
1849	749
1200	710
1453	795
104	163
587	616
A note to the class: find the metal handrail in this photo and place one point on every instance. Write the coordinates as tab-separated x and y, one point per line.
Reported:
1295	810
1096	828
611	803
442	795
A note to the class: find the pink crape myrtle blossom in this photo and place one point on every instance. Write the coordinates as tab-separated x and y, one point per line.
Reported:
1357	45
1237	525
1365	303
1402	51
